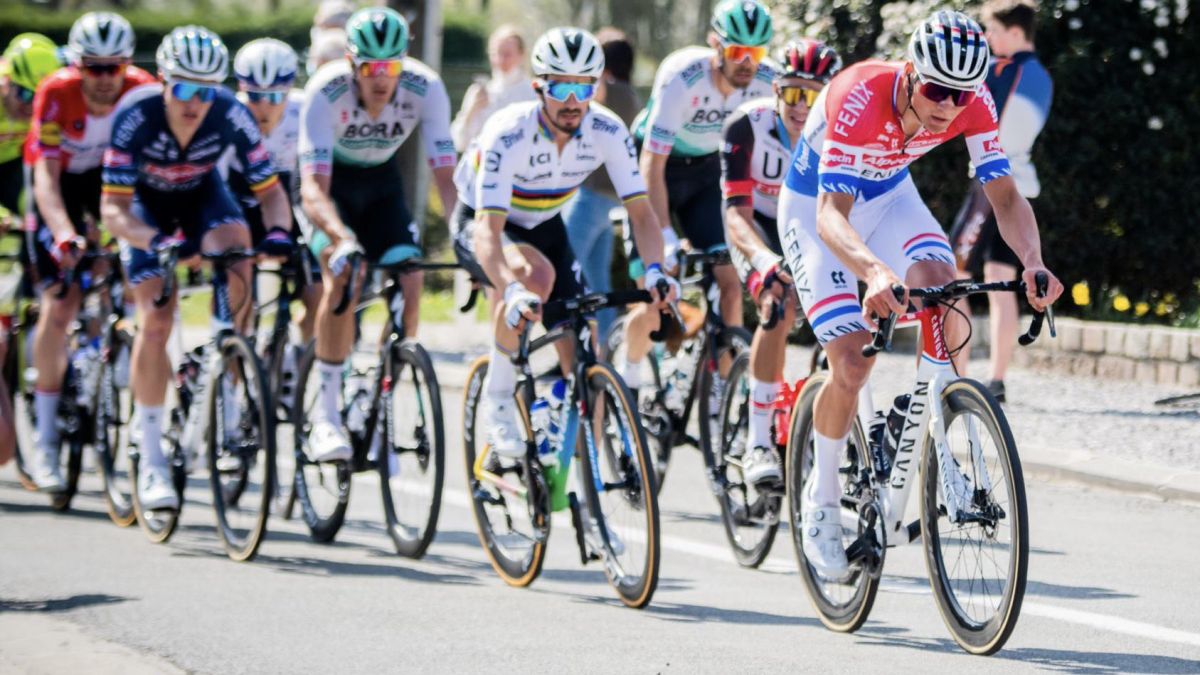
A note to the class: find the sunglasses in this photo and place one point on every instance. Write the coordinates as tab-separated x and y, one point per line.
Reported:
561	91
391	68
272	97
23	95
103	68
739	53
186	91
938	93
793	95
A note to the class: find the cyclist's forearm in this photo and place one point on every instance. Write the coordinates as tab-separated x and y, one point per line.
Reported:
833	226
121	223
647	231
443	177
47	191
314	195
489	251
275	209
654	170
740	230
1018	226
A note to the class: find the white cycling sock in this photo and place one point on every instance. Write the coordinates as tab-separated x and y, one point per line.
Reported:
826	490
45	406
150	446
631	372
501	380
762	407
231	410
327	409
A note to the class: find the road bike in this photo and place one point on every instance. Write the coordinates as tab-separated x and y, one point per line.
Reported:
955	443
613	505
393	413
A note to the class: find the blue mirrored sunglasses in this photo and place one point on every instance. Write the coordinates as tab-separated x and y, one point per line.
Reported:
273	97
186	91
561	91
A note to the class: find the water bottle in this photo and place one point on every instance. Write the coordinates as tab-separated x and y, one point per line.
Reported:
356	392
195	372
83	362
895	422
121	371
539	419
875	440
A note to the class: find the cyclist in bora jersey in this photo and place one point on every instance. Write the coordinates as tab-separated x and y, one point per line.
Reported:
756	148
357	113
160	184
72	125
512	183
849	210
695	89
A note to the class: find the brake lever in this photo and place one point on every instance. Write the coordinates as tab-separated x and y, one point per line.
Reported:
882	341
1042	283
672	314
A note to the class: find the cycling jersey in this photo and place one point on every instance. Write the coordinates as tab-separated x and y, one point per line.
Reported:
853	141
686	110
12	136
755	151
515	169
281	145
62	128
335	128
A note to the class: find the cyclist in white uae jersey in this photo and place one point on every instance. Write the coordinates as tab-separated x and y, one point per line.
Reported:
528	160
756	150
850	211
357	113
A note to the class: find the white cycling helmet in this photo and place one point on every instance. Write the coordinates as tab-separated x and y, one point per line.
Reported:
266	63
193	53
949	49
568	51
101	35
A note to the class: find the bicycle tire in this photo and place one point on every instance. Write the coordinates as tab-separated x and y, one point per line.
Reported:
849	615
322	527
735	340
158	525
275	355
976	637
113	415
610	394
237	356
658	422
751	541
73	465
522	571
429	452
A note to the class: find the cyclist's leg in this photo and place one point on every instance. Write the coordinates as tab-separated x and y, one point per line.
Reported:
701	217
389	233
221	226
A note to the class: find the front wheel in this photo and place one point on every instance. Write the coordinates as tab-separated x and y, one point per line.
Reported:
715	363
979	565
114	410
661	424
413	460
617	474
241	447
842	605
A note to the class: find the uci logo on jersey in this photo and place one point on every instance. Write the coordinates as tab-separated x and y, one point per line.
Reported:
370	130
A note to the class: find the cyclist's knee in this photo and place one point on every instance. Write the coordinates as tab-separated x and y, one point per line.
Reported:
849	369
156	325
57	313
930	273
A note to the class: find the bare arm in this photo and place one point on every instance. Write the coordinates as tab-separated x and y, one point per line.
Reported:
443	178
1016	222
275	209
119	219
314	195
47	190
833	226
489	251
654	169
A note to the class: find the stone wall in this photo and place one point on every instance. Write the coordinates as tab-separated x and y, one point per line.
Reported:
1169	356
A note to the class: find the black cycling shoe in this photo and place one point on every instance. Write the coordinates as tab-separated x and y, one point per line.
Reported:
996	387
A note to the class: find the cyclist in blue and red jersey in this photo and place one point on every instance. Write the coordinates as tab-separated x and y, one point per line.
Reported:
849	211
160	188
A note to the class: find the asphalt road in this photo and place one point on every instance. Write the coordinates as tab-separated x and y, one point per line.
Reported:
1113	588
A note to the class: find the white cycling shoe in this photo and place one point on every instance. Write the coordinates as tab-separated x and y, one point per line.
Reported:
822	538
761	465
44	470
327	442
155	489
502	436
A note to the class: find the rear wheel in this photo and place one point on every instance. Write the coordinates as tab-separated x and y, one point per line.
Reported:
510	499
842	605
322	489
160	524
412	462
241	460
710	385
282	360
114	409
750	515
618	486
978	566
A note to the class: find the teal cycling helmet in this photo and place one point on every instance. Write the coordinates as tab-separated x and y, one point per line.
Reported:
742	22
376	34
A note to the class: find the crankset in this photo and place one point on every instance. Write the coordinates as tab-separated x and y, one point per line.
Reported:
869	549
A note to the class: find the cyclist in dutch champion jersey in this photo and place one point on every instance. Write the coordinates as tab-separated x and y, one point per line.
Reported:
695	89
161	187
357	112
73	112
526	163
755	151
849	211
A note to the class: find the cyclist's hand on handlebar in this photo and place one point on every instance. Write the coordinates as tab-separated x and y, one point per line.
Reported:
880	300
277	243
1054	288
520	304
665	289
340	259
66	252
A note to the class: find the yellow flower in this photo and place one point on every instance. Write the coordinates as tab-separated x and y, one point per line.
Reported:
1141	309
1121	303
1079	293
1161	309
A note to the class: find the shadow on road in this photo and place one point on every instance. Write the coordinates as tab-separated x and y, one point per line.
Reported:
1069	661
60	604
1038	588
40	509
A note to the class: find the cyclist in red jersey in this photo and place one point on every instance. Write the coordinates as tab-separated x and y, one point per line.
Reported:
72	124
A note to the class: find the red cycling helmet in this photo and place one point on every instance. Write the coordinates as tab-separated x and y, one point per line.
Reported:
809	59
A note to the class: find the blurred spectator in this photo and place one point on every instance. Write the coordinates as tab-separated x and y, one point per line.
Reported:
8	438
1023	90
586	215
328	30
330	46
509	83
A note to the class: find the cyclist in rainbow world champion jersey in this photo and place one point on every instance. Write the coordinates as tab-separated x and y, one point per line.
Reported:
356	114
695	89
159	183
756	149
512	183
849	211
266	69
73	112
